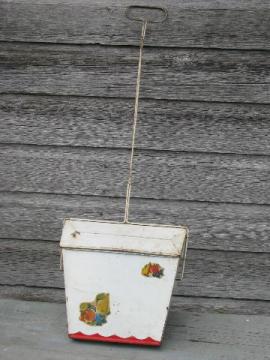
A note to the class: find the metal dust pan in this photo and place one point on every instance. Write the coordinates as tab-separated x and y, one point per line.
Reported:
119	276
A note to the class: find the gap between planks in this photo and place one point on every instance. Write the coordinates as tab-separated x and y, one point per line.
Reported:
190	247
142	97
116	148
129	46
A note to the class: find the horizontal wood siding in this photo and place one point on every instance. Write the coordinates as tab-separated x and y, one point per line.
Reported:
174	74
158	175
218	24
188	303
106	123
208	273
213	226
67	83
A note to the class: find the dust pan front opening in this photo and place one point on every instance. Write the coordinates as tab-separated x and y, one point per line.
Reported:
165	240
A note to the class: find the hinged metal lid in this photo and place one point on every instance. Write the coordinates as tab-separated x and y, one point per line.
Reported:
165	240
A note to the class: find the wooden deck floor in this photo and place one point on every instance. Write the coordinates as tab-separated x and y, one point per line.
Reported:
37	330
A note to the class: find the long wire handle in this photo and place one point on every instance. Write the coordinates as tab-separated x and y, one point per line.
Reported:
135	119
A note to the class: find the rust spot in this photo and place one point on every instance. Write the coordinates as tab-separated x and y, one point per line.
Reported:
75	234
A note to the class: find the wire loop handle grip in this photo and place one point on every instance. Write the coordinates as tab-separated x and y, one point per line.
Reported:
138	7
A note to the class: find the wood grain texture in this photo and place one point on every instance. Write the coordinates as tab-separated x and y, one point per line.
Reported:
214	305
176	74
157	175
212	226
204	163
208	273
93	122
178	303
195	337
190	24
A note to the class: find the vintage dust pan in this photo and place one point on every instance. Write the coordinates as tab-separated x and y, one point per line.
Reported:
119	276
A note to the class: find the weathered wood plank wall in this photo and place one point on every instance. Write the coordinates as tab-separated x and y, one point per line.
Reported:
66	99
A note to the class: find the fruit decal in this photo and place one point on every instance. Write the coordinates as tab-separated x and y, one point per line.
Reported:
152	270
95	312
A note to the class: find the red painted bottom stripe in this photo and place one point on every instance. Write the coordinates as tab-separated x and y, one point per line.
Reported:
115	339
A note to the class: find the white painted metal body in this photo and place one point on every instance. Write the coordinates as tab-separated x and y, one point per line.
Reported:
109	258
